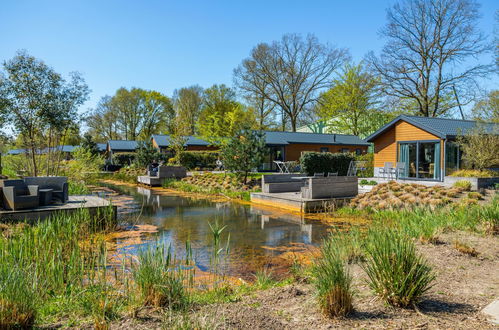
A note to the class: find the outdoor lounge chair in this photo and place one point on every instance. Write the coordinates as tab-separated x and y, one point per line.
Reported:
387	170
58	184
17	195
332	174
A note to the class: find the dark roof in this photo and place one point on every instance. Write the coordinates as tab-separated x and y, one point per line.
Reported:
283	138
102	146
16	151
164	141
66	148
279	138
122	145
442	127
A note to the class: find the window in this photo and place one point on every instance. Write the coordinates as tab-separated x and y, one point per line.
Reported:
324	149
358	151
344	150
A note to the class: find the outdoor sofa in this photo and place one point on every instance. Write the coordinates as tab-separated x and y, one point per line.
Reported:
18	195
58	185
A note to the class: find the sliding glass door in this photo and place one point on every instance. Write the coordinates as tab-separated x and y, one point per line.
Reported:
421	160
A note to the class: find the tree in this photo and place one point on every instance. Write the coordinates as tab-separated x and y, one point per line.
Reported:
429	51
102	121
89	145
351	105
480	146
147	154
187	104
36	99
487	109
221	114
244	151
131	114
289	72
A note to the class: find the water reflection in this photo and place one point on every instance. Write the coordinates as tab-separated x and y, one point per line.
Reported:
258	237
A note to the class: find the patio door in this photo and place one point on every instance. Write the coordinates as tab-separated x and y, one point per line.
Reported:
421	159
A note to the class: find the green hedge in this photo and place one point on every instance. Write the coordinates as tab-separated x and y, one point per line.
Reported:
198	159
124	158
369	171
324	162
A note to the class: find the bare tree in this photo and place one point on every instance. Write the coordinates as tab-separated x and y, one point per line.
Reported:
428	51
289	72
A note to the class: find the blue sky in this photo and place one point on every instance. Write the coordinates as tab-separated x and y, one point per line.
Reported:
164	45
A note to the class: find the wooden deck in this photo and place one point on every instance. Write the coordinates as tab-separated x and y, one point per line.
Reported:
93	203
293	201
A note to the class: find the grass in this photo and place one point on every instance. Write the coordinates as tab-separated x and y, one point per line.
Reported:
396	273
195	188
465	248
475	174
77	188
463	184
264	279
160	279
332	280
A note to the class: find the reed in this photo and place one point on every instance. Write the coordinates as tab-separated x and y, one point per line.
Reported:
160	279
332	280
396	273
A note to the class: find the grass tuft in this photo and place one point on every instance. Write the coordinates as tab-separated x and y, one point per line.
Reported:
332	279
397	274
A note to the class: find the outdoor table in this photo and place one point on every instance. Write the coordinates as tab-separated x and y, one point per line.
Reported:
45	196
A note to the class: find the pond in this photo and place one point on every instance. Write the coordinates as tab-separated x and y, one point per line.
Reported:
252	240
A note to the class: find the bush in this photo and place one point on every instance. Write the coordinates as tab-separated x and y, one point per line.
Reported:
475	174
202	159
397	274
324	162
463	184
332	279
365	182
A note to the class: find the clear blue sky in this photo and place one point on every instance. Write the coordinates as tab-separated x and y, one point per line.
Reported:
164	45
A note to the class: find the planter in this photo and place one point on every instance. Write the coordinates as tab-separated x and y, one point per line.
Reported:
476	183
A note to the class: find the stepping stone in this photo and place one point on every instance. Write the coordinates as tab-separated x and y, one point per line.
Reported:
492	311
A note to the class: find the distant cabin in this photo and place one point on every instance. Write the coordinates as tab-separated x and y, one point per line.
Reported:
285	146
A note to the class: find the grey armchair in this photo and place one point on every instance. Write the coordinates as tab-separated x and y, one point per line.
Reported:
59	185
17	195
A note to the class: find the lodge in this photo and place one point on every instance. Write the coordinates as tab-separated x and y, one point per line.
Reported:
425	146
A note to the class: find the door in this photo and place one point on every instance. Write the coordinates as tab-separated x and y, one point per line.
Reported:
421	159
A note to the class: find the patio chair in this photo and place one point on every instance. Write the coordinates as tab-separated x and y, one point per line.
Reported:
399	169
332	174
17	195
58	184
387	170
319	175
355	166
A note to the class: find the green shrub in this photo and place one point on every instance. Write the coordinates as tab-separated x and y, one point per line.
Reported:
77	188
324	162
159	279
332	279
475	174
474	195
463	184
397	274
365	182
202	159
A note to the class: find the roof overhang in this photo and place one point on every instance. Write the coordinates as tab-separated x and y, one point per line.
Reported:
407	119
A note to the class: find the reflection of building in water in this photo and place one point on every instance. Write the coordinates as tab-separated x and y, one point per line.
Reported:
265	218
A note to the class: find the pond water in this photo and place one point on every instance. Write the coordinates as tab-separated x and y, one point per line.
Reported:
259	238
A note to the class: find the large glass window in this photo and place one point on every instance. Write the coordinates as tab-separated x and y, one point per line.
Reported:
421	160
274	153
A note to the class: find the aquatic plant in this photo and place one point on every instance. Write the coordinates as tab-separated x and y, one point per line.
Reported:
396	273
160	279
332	279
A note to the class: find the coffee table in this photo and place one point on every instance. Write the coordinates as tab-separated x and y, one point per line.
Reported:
45	196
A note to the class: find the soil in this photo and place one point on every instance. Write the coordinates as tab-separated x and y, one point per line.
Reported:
464	285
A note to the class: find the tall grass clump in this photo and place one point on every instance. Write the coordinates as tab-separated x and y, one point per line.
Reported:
332	280
17	298
396	273
160	279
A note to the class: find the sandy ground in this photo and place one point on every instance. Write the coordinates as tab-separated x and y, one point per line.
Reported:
464	285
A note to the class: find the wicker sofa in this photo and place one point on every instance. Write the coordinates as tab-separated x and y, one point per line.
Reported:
58	184
16	194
